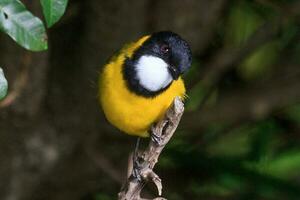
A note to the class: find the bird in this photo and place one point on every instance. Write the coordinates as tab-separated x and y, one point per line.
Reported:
140	82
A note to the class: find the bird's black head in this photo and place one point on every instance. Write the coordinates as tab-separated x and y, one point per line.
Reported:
160	59
170	47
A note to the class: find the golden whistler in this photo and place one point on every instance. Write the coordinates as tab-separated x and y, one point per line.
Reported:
142	80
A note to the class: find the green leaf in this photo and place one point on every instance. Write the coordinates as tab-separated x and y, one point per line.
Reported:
259	64
285	165
243	21
236	143
26	29
53	10
3	85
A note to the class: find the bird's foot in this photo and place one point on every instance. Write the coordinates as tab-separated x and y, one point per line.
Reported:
136	172
155	138
157	135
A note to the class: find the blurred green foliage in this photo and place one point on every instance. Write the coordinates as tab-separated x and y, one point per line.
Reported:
251	160
244	19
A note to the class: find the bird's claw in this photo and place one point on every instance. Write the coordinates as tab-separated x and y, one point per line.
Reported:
155	138
136	172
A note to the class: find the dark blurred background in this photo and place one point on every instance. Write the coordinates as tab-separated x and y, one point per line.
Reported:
238	139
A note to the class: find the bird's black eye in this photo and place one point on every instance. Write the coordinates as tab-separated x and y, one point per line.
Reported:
165	48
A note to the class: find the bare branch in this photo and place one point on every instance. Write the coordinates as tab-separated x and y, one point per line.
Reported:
163	130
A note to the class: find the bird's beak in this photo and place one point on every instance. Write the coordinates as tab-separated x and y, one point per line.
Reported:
174	72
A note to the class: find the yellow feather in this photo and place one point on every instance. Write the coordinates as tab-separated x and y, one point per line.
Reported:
131	113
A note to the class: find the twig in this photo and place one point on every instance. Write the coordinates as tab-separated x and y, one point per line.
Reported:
163	130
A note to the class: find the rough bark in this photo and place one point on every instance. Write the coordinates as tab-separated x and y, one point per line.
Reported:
142	172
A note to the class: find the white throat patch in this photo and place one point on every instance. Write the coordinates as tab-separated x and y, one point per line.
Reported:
152	73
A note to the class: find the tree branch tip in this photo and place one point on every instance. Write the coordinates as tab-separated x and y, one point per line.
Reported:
178	105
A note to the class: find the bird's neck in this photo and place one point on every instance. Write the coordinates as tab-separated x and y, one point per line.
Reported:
146	76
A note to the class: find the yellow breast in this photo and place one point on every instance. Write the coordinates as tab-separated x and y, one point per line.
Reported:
131	113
